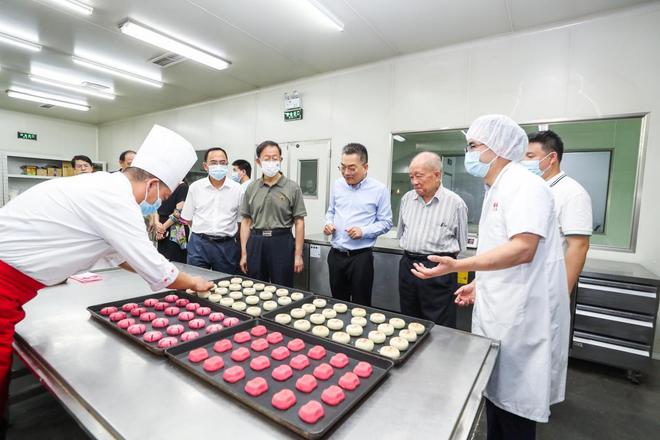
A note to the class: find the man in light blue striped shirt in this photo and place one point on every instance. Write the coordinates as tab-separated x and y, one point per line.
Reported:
358	213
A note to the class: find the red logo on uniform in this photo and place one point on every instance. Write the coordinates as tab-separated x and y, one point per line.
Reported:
495	206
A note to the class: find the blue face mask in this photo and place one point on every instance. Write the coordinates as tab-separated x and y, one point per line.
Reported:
150	208
236	177
218	172
476	167
534	167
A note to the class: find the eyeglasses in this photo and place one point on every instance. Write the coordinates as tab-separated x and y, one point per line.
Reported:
350	169
472	146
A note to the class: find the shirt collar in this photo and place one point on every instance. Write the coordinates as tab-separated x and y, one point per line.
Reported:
280	182
358	186
435	196
556	178
208	184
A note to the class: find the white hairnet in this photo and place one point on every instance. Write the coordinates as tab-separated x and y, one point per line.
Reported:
501	134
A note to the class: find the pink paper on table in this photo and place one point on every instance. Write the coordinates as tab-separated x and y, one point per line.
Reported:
86	277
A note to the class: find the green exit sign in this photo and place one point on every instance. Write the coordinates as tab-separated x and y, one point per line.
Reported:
295	114
27	136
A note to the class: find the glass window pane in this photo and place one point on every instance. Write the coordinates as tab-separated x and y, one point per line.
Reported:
309	177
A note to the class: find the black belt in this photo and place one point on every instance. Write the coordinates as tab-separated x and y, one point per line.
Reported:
415	256
271	232
350	253
216	238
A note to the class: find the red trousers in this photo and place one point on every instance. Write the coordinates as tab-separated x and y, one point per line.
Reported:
15	290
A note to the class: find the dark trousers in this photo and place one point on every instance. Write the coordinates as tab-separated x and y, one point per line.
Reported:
270	259
351	276
431	299
221	256
172	251
502	425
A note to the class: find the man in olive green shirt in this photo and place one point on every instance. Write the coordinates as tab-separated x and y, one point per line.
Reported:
270	207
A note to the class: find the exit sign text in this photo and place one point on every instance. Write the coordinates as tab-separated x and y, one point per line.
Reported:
27	136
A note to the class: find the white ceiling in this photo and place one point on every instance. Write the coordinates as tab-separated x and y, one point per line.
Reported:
267	41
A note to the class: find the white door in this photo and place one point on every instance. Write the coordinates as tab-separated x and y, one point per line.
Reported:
308	163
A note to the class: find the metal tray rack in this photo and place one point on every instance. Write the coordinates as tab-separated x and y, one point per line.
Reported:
288	418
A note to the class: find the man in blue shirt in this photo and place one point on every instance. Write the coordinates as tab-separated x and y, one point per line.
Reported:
358	213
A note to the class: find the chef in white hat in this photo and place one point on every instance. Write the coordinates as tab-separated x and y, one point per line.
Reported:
64	226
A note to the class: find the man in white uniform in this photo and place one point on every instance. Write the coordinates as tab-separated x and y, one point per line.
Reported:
572	201
61	227
520	287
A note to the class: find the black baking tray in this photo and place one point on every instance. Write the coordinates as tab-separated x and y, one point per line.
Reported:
346	318
306	295
262	404
95	312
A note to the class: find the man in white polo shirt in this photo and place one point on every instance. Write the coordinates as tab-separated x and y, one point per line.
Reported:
211	209
572	202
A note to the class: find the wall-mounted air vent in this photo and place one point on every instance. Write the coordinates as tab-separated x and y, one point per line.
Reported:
96	86
167	59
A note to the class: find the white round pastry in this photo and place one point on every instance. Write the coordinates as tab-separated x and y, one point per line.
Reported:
215	297
354	329
320	331
269	305
270	289
259	286
252	300
358	311
308	308
253	311
417	327
235	287
249	291
377	337
236	295
335	324
329	313
227	302
340	307
297	296
388	329
282	292
408	335
205	294
222	291
397	323
390	352
359	320
364	344
399	343
190	292
341	337
317	318
283	318
319	302
265	295
247	283
377	318
302	324
239	305
236	280
297	313
224	283
284	300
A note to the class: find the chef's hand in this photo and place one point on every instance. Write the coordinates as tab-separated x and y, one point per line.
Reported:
160	236
160	229
243	263
200	284
298	264
354	232
465	295
445	265
329	229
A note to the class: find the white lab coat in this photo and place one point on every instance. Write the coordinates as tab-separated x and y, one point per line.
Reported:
525	307
64	226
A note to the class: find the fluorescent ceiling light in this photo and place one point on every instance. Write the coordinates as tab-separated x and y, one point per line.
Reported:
398	138
159	39
47	98
72	87
74	5
122	73
325	14
19	42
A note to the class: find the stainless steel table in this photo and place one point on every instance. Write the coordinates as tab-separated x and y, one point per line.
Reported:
115	389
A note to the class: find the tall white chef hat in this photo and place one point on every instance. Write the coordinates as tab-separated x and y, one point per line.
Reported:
501	134
166	155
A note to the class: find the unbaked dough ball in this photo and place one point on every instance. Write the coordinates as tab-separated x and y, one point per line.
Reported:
266	296
317	318
399	343
340	307
320	331
239	305
417	327
364	344
259	286
377	337
319	302
386	328
341	337
283	318
302	324
335	324
284	300
359	320
253	311
408	335
298	313
252	300
329	313
354	329
227	302
390	352
308	308
269	305
297	296
397	323
377	318
281	292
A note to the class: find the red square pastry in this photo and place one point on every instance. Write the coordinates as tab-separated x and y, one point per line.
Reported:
340	360
256	386
306	383
259	345
214	363
284	399
242	337
260	363
172	311
323	371
240	354
317	352
363	369
349	381
296	344
198	355
299	362
280	353
282	373
333	395
222	345
274	338
258	331
233	374
311	412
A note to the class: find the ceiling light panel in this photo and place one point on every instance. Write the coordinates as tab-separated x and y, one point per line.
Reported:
47	98
19	42
117	72
75	6
71	87
317	9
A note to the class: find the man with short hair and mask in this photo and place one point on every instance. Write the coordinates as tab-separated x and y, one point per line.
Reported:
572	201
519	291
64	226
211	210
271	206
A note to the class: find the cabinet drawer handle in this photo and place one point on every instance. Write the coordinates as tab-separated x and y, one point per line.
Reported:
616	290
611	346
614	318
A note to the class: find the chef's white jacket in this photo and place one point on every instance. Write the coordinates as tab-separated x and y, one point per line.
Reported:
65	225
525	307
